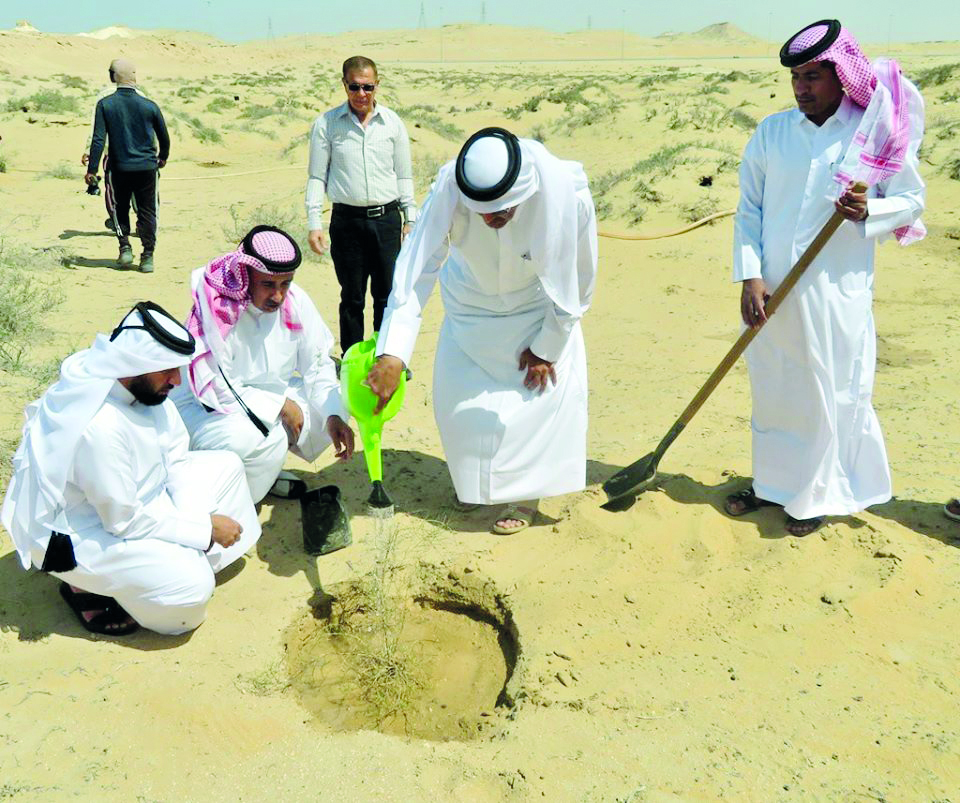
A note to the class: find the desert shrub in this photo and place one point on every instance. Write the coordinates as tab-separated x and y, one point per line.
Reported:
935	76
425	167
63	170
73	82
256	112
3	163
952	168
539	133
741	119
289	217
25	297
218	104
45	101
700	209
426	117
294	144
250	128
646	193
202	132
636	213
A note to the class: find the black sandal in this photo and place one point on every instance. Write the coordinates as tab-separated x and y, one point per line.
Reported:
104	623
749	501
808	525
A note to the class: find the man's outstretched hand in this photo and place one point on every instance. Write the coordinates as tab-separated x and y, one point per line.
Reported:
341	435
384	378
539	371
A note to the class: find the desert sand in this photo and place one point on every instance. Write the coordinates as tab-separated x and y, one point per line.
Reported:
659	652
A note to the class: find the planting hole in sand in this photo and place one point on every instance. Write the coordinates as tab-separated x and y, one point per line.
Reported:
436	663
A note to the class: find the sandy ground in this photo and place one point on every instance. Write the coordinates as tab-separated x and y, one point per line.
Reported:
667	652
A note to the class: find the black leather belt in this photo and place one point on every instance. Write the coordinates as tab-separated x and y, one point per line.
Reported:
365	211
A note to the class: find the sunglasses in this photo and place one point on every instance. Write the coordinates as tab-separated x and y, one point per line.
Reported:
364	87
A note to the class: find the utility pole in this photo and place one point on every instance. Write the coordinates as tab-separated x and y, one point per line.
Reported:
423	16
483	13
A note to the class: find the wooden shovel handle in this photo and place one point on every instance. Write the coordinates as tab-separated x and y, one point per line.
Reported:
770	307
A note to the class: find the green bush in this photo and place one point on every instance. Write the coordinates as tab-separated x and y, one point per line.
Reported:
426	117
202	132
46	101
25	298
63	171
217	105
935	76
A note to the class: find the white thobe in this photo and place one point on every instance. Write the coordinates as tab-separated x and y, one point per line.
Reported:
268	363
503	442
137	509
817	445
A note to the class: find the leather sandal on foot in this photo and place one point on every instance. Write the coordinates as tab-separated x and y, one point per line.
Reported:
524	517
803	527
954	513
112	619
743	502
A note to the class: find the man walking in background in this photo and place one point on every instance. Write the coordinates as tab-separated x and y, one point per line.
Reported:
360	157
108	200
134	128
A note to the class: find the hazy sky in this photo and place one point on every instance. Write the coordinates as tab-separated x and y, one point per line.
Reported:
238	20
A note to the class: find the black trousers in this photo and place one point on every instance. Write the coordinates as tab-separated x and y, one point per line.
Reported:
363	248
142	185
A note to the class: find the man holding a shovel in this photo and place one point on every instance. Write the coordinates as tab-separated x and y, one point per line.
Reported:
817	445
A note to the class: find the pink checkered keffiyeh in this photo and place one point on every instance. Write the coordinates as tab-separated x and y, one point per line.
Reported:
219	300
893	114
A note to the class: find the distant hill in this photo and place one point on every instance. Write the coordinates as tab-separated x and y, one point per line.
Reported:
719	33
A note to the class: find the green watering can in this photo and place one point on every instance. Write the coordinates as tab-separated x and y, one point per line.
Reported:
360	402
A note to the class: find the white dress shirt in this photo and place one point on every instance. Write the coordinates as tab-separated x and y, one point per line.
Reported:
359	165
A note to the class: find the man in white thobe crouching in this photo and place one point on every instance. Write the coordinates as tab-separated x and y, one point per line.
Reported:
106	496
817	445
510	378
262	381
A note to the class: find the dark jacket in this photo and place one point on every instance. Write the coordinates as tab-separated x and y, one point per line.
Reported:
130	122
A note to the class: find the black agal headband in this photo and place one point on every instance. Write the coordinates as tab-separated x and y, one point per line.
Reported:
484	194
270	261
788	59
161	326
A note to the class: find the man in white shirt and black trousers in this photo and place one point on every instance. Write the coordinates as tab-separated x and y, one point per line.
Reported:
360	157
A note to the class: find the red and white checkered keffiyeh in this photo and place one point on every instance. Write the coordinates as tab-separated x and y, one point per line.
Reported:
892	118
219	299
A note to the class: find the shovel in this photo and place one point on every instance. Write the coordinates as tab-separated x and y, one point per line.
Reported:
642	474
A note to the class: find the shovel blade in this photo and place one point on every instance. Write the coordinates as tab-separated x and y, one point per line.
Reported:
634	478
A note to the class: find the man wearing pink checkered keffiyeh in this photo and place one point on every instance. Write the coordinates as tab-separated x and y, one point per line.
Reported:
261	381
817	445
